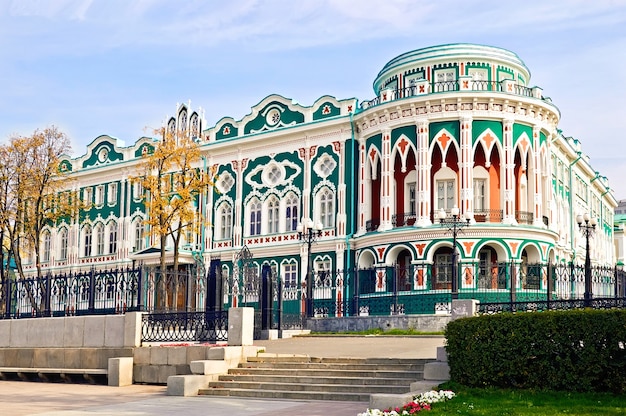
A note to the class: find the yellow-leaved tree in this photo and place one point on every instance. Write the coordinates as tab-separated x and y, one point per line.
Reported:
32	196
173	177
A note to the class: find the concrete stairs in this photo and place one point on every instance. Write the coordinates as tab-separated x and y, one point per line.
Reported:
309	378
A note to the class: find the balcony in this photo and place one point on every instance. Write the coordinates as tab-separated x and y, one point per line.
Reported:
402	220
488	215
463	84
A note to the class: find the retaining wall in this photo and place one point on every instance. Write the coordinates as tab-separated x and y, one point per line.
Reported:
94	331
426	323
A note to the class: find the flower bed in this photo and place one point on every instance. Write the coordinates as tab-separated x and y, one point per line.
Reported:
420	402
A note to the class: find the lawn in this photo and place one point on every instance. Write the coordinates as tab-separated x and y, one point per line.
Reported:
497	402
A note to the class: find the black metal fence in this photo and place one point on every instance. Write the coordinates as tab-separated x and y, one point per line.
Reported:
192	305
90	292
184	326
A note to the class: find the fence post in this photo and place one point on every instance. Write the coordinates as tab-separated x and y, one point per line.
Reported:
355	297
550	287
615	277
139	272
92	291
48	295
7	285
513	283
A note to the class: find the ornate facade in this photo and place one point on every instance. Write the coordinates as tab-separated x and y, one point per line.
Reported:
452	126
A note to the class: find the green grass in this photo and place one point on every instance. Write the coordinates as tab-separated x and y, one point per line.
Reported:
497	402
379	331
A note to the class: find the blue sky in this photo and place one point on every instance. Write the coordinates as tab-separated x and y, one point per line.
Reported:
119	67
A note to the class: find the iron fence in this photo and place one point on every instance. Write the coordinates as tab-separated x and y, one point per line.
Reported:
185	326
90	292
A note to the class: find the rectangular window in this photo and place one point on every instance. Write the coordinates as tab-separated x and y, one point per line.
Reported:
479	195
290	275
88	196
138	236
411	195
137	191
446	194
112	194
99	195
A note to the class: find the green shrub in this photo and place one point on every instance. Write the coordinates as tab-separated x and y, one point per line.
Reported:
579	350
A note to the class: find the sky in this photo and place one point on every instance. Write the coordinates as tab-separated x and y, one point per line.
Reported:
119	67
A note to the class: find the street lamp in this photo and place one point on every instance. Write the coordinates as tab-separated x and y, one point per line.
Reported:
308	232
587	226
454	224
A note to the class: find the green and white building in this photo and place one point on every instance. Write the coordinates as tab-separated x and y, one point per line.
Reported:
456	126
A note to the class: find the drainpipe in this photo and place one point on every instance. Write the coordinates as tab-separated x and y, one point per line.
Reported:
351	199
571	204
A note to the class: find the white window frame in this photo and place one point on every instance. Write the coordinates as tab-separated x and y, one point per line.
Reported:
446	190
88	196
290	275
225	221
112	193
139	231
99	195
326	205
63	239
112	238
255	209
273	215
87	240
99	239
292	203
47	243
137	191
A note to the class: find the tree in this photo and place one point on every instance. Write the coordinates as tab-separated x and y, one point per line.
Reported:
173	180
31	182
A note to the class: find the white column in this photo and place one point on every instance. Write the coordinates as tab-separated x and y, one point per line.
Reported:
423	176
509	172
386	208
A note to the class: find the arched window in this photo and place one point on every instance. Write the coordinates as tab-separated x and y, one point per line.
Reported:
88	239
139	230
99	239
255	217
63	245
291	212
112	238
45	255
226	221
327	207
272	215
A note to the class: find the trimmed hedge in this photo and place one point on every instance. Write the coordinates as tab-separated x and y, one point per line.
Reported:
578	350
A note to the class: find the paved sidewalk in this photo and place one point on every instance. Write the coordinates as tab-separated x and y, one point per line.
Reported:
19	398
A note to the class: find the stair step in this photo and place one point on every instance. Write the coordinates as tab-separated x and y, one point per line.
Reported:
293	387
300	377
413	375
289	395
334	366
317	380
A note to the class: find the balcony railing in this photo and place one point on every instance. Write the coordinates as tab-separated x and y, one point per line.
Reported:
488	215
401	220
523	217
425	87
372	225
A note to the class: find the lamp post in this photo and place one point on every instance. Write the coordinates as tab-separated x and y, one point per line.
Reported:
587	226
308	233
454	224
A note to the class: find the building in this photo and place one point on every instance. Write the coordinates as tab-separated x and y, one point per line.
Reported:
456	127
